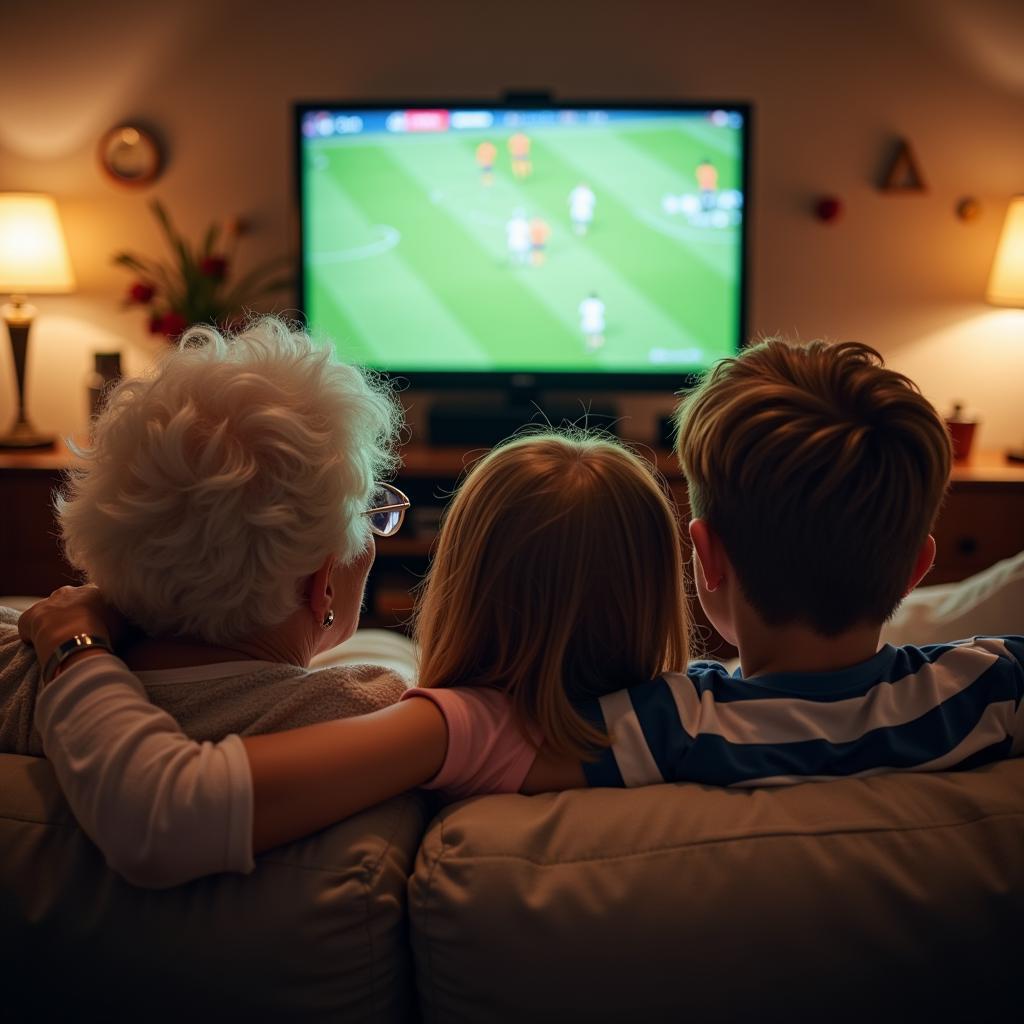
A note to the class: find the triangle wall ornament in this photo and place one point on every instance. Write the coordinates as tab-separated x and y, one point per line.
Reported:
902	173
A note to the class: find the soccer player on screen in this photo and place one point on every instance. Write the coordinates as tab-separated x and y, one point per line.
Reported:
581	208
486	153
519	150
707	181
540	231
517	237
592	322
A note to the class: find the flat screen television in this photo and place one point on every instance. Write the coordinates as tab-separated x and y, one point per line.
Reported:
581	245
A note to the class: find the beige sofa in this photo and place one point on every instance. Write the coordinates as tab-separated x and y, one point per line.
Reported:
894	897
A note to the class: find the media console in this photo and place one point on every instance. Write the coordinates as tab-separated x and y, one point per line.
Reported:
982	521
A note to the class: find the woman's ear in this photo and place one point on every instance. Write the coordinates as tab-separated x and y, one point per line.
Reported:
320	590
709	553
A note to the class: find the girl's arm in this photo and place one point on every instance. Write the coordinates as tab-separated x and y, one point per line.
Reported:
164	809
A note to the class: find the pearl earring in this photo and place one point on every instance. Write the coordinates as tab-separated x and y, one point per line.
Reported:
329	619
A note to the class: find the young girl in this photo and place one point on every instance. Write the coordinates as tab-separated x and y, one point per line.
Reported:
557	578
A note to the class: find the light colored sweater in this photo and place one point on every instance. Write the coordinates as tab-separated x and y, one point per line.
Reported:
210	701
19	688
207	779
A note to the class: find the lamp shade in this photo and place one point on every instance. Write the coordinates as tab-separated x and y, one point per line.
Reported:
1006	282
33	255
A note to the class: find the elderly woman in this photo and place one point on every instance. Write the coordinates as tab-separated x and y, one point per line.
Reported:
226	507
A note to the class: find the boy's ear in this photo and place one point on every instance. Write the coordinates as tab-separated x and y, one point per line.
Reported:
922	564
320	589
710	554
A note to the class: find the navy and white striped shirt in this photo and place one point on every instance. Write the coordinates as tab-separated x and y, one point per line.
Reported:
938	708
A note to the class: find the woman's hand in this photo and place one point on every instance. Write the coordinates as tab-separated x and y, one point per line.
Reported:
66	613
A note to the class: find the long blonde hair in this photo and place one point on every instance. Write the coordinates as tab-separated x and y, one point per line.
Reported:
558	577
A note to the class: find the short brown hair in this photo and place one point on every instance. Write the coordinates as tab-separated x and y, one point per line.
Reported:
558	577
821	471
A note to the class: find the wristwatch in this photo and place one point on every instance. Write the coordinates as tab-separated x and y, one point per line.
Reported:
78	643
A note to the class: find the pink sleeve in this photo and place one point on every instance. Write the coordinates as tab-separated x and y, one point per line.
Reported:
486	751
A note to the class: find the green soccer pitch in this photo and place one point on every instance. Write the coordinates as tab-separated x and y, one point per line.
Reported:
408	264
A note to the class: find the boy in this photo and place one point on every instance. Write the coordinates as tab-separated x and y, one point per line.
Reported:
815	475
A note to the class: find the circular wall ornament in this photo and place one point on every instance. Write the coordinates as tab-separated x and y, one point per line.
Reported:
130	155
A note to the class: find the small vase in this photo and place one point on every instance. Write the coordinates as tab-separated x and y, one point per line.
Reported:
102	380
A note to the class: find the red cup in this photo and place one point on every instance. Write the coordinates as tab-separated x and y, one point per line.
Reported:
961	433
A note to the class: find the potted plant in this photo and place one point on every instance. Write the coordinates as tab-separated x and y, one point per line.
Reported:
196	286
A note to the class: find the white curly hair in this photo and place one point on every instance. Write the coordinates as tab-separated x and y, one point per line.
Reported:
215	484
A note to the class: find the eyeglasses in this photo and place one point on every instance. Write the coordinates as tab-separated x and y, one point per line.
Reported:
387	516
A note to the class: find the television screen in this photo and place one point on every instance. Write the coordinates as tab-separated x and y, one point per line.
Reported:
598	242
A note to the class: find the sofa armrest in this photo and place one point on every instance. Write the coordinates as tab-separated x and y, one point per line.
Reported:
317	931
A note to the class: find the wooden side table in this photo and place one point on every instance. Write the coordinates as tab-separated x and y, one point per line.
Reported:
31	562
982	520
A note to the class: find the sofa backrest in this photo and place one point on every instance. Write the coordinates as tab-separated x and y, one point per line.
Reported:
316	932
892	897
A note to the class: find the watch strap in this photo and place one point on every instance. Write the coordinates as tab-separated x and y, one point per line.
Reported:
78	643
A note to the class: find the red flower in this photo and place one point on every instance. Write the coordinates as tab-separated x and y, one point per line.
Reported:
214	266
141	292
172	324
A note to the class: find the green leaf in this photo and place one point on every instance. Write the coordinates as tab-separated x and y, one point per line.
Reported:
165	222
212	234
127	259
155	272
252	282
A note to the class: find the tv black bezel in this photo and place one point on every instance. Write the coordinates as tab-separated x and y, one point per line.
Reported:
539	380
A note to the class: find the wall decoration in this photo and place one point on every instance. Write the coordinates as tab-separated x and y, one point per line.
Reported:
968	208
902	173
828	209
131	155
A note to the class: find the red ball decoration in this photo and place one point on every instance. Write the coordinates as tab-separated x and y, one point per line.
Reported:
828	209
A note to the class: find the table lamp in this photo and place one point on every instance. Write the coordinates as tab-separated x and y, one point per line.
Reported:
1006	281
33	259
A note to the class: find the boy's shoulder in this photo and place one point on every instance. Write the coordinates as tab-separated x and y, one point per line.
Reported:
970	657
938	707
974	658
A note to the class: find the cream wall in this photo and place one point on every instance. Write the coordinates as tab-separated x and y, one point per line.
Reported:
832	83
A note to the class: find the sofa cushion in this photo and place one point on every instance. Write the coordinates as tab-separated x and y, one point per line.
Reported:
316	932
855	899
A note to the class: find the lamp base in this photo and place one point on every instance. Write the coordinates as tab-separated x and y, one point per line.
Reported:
23	437
18	316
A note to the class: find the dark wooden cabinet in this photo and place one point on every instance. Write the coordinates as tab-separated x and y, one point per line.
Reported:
981	522
31	562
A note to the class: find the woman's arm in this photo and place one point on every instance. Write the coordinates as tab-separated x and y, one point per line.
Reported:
305	779
164	809
552	772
